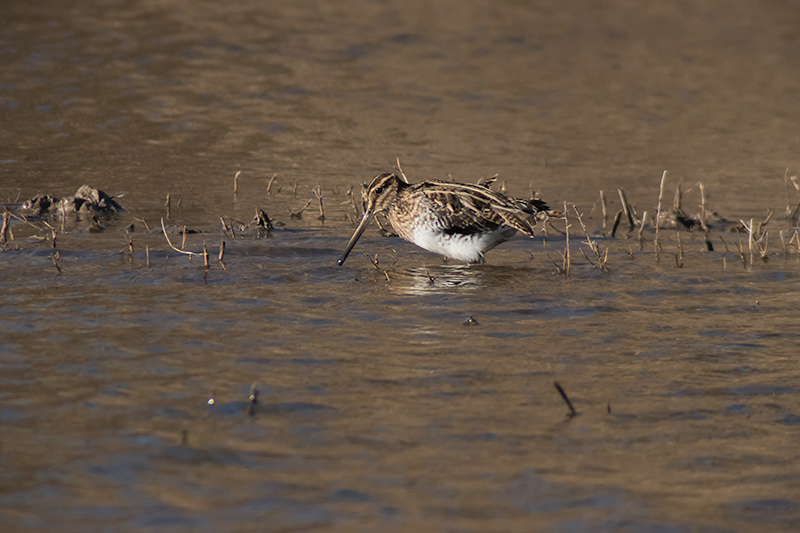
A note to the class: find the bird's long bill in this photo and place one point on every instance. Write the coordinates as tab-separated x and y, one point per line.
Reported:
365	220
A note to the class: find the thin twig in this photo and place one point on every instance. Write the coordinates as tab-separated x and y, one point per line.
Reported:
400	170
560	389
56	258
236	184
318	193
566	248
658	212
641	229
593	246
143	221
703	207
186	252
4	231
614	226
299	214
222	255
604	209
626	208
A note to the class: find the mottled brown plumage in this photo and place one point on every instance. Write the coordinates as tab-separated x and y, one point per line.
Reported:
458	220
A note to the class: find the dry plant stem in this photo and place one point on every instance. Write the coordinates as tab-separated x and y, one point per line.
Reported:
566	248
604	209
626	208
615	225
271	181
147	254
186	252
764	223
168	205
355	206
318	193
725	244
679	255
236	183
641	229
658	212
205	256
400	170
601	260
562	392
560	269
143	221
678	200
4	232
299	214
183	240
783	243
56	258
703	207
740	247
222	255
793	239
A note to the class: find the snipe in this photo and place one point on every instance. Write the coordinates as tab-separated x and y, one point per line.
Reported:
458	220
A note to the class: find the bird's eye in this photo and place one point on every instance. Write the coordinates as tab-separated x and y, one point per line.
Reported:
379	190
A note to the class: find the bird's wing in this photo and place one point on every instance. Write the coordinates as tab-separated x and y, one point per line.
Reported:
475	208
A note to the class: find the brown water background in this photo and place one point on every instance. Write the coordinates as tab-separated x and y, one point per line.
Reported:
378	409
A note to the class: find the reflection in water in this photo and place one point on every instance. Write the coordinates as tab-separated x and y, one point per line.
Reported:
450	279
438	279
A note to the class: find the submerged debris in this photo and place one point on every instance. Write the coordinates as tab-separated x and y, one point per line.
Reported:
86	200
470	322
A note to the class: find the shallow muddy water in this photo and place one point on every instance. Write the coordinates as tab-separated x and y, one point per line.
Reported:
381	406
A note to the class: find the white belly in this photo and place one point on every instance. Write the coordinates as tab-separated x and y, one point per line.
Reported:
469	248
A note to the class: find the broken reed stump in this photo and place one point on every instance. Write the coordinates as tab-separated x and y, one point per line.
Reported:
614	227
56	258
658	212
562	392
298	215
626	209
271	182
222	255
566	248
4	232
604	209
318	193
641	229
236	184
